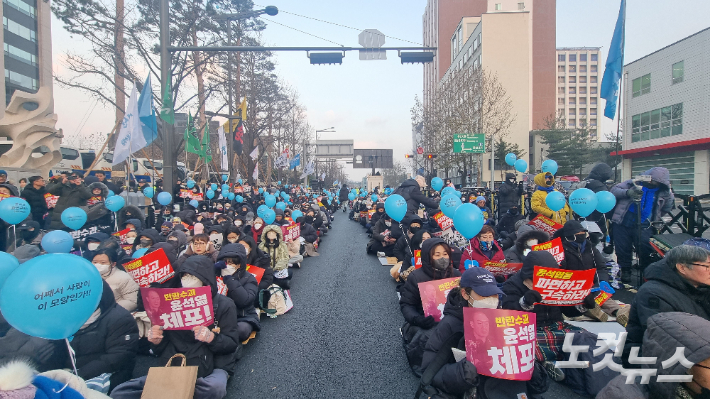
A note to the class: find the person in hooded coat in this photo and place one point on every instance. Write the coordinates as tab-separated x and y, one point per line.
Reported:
258	258
402	249
213	349
508	220
527	236
546	184
279	219
242	287
596	181
580	253
383	237
482	248
200	244
666	332
379	212
106	343
136	223
309	234
129	212
509	194
146	239
436	265
273	245
125	289
410	190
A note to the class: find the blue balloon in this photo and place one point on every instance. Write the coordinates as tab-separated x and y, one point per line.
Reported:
521	166
469	263
555	201
286	197
57	241
74	217
225	189
510	158
351	197
230	196
549	166
269	216
225	177
209	194
194	203
261	210
8	264
281	206
468	220
213	186
190	183
458	193
13	210
240	181
26	310
270	201
373	197
261	190
583	202
606	201
165	198
396	207
111	193
447	190
114	203
437	184
149	192
240	199
449	204
279	182
139	253
296	214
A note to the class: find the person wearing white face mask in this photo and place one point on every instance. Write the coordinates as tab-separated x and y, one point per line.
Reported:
241	287
527	236
125	289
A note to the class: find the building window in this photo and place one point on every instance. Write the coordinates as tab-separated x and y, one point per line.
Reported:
561	101
572	100
583	111
583	90
572	90
582	68
560	57
595	57
573	69
592	111
593	122
592	79
561	111
561	90
593	101
521	6
22	6
582	79
662	122
593	90
20	55
593	68
583	100
572	111
573	58
582	58
21	80
561	79
641	85
19	30
678	72
573	79
499	6
561	69
582	123
571	123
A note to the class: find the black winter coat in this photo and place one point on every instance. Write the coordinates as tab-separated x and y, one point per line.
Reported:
308	233
506	223
241	286
402	250
413	195
508	194
596	181
665	291
343	195
38	205
514	289
410	302
108	345
590	258
260	259
515	254
69	195
221	352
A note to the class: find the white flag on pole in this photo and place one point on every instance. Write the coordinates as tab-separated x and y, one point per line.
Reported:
255	154
255	175
307	170
223	148
130	137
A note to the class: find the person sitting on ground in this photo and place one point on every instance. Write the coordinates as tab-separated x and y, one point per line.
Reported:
546	184
409	265
213	349
436	265
258	258
482	248
272	244
309	235
382	239
487	214
125	289
551	327
146	239
527	237
199	245
379	212
241	287
402	249
477	289
257	227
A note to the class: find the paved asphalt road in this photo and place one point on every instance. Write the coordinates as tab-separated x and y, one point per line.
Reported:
341	339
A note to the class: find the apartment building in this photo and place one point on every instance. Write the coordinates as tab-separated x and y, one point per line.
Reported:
579	78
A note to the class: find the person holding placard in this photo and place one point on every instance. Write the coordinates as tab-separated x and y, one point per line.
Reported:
241	287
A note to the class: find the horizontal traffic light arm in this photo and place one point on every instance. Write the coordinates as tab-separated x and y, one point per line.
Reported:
174	49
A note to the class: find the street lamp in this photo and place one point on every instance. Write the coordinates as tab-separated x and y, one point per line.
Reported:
326	130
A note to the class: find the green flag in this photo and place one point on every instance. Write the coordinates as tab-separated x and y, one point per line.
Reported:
167	113
206	152
192	143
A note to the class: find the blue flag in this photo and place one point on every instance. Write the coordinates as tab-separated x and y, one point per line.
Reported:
295	161
614	64
146	113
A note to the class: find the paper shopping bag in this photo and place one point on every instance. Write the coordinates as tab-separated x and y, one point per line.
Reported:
171	382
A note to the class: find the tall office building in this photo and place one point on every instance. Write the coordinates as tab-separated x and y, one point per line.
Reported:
579	79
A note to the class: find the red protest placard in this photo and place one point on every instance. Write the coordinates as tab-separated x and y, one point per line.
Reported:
602	297
184	193
502	269
221	286
443	221
178	308
545	224
370	213
257	272
151	268
500	343
128	248
363	214
560	287
291	232
197	196
51	200
433	294
554	247
417	258
121	235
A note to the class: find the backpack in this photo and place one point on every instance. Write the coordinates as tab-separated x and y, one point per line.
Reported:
279	301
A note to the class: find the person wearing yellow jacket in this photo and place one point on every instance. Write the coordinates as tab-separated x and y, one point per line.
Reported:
546	184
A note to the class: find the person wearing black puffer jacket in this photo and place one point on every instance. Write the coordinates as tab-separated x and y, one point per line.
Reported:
106	343
213	349
34	194
509	194
436	265
241	287
596	181
526	238
258	258
580	253
410	190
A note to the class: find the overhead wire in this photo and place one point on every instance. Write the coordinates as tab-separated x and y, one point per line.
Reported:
304	32
341	25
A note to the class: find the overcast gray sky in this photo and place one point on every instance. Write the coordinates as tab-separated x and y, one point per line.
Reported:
370	101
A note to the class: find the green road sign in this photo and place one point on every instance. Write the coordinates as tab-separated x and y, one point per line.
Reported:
470	143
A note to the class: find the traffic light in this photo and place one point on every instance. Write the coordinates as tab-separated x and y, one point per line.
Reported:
407	155
430	156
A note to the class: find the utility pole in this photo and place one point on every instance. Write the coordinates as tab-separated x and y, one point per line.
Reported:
169	160
493	162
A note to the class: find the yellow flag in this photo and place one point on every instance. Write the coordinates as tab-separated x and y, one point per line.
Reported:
243	107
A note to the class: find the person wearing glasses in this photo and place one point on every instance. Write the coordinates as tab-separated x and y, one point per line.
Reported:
680	282
72	192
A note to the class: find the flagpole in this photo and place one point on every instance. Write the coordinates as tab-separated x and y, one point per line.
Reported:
618	128
96	160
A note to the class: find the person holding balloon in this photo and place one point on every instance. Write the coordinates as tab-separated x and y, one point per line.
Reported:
539	202
72	193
